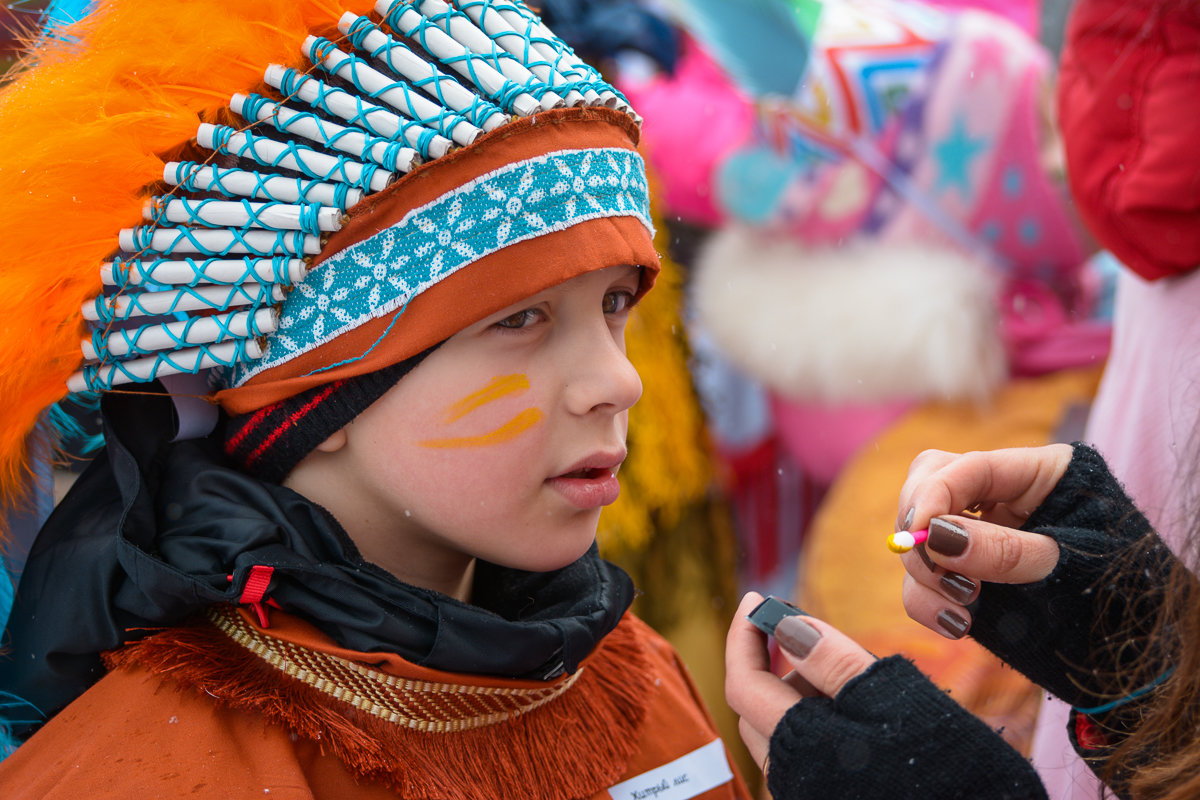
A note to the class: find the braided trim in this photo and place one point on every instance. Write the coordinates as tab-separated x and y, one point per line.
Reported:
426	706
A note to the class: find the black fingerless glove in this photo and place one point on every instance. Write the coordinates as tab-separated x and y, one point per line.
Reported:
1061	632
890	733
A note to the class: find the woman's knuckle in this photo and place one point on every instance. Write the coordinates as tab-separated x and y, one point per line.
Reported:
842	667
1009	552
927	457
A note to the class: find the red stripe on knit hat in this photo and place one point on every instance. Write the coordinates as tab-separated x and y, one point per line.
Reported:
252	423
291	420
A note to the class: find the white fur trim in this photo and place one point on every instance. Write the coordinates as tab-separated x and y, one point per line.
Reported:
861	323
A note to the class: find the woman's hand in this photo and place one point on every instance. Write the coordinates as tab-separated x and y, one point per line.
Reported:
1004	487
822	658
844	724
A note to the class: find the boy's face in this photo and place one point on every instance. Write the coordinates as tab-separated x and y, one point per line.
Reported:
503	444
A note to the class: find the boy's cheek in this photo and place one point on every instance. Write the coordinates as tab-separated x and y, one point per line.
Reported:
474	437
501	410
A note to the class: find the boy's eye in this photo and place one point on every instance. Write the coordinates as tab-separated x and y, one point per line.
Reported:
617	301
520	319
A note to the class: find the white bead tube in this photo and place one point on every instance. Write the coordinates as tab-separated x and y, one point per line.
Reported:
567	63
466	33
274	153
355	110
127	273
144	369
454	55
399	58
328	134
381	87
198	330
211	178
217	241
502	23
498	30
125	306
232	214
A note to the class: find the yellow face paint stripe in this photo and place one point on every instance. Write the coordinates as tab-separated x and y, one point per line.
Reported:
500	386
509	430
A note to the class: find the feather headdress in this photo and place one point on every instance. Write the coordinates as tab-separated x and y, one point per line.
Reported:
103	131
87	128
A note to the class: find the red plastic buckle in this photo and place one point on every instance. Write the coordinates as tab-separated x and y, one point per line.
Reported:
255	590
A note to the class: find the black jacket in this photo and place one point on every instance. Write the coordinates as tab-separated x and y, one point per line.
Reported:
154	531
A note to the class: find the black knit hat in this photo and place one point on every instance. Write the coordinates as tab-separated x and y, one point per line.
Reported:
269	442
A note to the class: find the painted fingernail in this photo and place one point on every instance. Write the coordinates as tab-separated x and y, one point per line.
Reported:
920	550
796	636
946	538
908	519
958	588
953	624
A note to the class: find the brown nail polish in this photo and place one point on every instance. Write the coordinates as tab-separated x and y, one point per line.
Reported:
908	519
946	538
953	624
920	551
796	636
958	588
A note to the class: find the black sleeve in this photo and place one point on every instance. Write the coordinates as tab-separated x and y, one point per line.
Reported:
890	733
1063	632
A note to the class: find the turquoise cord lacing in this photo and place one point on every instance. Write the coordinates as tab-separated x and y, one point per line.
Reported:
376	119
193	177
223	244
294	156
140	271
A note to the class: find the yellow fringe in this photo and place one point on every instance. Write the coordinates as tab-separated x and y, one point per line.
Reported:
669	465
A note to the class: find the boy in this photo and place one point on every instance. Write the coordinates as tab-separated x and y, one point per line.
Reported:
377	578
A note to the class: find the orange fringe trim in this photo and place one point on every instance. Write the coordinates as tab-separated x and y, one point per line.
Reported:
574	746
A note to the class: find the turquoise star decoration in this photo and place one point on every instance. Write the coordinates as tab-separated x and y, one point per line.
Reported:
954	155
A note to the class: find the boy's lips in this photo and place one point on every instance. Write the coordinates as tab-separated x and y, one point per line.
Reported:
591	482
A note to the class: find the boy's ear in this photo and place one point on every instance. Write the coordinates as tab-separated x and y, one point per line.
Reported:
335	442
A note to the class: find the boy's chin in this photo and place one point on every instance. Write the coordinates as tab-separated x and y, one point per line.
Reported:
548	559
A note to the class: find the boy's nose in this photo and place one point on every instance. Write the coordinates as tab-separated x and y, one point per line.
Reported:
601	376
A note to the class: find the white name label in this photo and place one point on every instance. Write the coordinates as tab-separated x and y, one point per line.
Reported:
686	777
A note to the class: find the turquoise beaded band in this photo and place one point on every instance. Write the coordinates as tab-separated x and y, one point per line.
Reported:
520	201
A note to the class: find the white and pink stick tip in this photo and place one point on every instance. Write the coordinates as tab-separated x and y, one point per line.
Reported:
903	541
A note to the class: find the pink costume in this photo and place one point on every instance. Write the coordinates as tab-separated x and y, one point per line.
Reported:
1127	68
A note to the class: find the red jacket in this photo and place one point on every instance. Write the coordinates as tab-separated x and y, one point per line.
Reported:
1127	108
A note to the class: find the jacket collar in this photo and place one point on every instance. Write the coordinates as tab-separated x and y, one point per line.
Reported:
153	532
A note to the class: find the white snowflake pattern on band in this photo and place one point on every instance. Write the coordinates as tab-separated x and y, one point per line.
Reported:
518	202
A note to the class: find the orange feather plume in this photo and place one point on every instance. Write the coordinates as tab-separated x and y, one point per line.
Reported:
85	128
